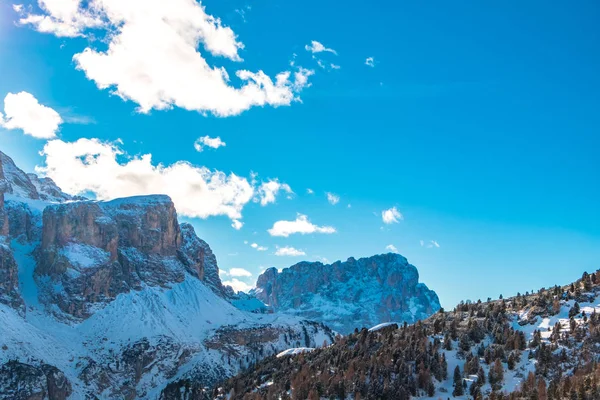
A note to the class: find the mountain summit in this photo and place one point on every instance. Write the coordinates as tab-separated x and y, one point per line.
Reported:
351	294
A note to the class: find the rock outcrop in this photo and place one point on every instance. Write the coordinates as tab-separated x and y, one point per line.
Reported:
352	294
30	186
96	250
201	260
9	280
27	382
3	214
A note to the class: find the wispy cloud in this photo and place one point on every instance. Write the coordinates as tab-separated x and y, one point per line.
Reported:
207	141
391	216
238	285
289	251
301	225
370	61
268	191
317	47
429	244
258	248
239	272
392	248
332	198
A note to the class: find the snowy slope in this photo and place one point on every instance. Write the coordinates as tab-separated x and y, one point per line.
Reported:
175	323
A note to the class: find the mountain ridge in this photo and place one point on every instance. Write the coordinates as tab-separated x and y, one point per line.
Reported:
117	299
349	294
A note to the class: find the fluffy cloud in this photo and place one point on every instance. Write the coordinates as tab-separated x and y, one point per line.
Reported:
301	225
259	248
239	272
392	248
207	141
332	198
391	216
237	224
152	57
23	111
238	285
370	61
289	251
267	191
430	244
317	47
90	165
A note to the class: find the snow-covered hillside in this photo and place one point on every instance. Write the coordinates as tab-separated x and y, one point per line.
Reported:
116	300
543	345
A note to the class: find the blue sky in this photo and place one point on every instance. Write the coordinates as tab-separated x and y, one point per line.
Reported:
479	123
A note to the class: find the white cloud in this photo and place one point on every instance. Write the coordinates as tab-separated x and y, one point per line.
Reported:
301	225
239	272
392	248
430	244
370	61
310	191
238	285
259	248
332	198
237	224
267	191
391	216
334	66
289	251
207	141
152	57
23	111
317	47
90	165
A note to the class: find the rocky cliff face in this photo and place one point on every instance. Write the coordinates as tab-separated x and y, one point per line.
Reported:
3	214
9	284
9	280
352	294
94	251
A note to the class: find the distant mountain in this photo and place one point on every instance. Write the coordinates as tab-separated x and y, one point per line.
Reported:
351	294
543	346
117	300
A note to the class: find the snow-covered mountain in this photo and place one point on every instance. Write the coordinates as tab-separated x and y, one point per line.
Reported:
117	300
351	294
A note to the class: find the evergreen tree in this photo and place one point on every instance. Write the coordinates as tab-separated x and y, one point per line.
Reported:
458	384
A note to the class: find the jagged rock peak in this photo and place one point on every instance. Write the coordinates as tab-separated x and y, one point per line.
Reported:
203	260
30	186
350	294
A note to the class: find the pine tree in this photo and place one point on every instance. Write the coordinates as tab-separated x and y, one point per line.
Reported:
458	384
